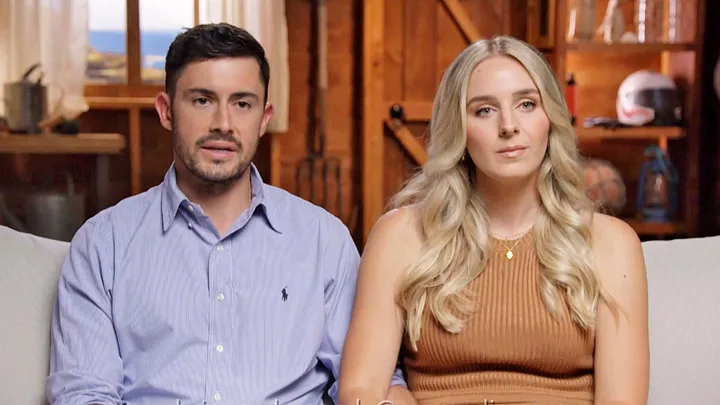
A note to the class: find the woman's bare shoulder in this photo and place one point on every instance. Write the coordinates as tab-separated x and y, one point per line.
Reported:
400	226
616	246
610	232
394	242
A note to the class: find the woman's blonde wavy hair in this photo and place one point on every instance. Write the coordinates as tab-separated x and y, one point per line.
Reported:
454	224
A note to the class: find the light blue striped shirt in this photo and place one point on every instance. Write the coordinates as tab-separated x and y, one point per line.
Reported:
154	307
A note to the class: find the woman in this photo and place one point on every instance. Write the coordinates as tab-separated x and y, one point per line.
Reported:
492	272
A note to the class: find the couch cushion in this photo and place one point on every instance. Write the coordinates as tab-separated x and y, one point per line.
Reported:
683	280
29	272
683	285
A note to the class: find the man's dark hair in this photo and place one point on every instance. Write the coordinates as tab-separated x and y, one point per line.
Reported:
212	41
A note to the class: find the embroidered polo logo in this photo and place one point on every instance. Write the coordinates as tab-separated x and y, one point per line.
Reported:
284	294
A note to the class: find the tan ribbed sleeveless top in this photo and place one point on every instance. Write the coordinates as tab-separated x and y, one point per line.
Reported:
511	349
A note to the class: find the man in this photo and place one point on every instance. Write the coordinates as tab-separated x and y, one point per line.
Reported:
211	287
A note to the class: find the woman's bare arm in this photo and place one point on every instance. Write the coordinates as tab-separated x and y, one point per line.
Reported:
376	328
622	347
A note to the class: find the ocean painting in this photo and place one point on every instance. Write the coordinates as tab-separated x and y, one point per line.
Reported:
107	56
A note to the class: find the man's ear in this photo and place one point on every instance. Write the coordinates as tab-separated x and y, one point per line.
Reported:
164	110
269	111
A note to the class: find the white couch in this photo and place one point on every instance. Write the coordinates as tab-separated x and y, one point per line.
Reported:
683	278
29	271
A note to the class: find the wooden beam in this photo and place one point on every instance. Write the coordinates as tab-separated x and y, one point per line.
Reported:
692	148
275	160
562	8
406	138
56	144
133	51
534	17
120	103
196	12
413	111
373	114
135	149
462	19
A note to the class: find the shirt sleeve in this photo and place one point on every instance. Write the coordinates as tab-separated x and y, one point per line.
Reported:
85	364
342	260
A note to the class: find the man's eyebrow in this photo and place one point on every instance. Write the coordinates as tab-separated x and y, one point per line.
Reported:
211	93
200	90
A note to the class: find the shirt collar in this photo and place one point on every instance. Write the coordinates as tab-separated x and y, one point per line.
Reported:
172	198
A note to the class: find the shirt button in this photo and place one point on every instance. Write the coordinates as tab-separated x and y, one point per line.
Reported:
219	348
217	396
190	208
189	225
220	297
220	248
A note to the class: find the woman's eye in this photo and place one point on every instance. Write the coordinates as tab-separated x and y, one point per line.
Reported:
528	105
484	111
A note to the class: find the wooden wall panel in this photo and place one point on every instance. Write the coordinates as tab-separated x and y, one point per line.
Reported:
491	17
420	38
394	49
157	153
414	27
450	41
343	98
294	141
396	70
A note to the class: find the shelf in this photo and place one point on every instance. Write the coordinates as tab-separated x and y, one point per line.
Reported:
55	144
629	133
654	228
628	47
120	103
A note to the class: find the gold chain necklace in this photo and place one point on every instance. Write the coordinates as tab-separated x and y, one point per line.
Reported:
509	254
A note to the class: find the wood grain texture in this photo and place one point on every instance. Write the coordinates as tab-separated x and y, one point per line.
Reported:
373	144
410	44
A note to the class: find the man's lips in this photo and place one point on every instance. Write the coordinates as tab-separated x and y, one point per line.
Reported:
220	146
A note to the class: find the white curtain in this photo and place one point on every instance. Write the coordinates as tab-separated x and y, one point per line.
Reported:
266	21
53	33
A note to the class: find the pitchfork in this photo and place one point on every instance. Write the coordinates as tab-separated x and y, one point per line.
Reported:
316	163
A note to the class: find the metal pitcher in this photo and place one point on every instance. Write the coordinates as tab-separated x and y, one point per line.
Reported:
26	103
53	215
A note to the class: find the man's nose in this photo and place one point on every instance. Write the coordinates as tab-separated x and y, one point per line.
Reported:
222	121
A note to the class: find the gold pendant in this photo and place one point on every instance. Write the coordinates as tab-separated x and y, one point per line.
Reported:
509	254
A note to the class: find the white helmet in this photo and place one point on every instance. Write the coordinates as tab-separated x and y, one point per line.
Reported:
648	98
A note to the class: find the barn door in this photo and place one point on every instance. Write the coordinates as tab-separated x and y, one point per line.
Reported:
407	46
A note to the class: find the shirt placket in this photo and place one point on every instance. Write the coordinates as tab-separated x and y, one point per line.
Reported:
220	350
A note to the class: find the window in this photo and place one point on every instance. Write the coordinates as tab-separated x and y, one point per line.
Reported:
128	42
160	22
107	56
